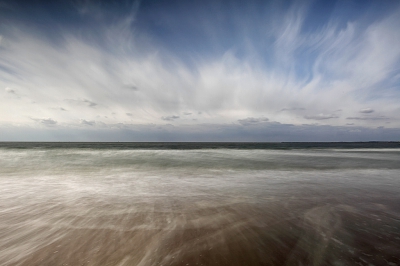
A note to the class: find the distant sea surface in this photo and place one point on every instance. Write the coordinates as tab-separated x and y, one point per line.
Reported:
119	203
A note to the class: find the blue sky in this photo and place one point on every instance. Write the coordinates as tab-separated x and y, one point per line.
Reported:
200	70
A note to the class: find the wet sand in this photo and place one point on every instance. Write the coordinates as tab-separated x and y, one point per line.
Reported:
201	231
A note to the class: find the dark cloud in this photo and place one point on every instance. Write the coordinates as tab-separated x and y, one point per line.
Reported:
131	87
82	102
90	103
87	123
59	109
367	118
187	113
293	109
366	111
10	91
252	121
46	122
129	114
321	116
170	118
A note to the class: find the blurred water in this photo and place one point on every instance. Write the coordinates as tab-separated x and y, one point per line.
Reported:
95	204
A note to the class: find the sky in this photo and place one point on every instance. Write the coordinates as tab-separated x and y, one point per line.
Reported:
206	70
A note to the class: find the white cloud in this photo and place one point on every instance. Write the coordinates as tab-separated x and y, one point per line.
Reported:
348	68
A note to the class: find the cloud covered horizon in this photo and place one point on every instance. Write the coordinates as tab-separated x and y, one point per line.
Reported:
257	69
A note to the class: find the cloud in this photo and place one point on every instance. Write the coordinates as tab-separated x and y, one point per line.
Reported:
46	121
321	116
266	63
170	118
131	87
366	111
84	102
10	91
87	123
90	103
187	113
129	114
372	118
293	109
252	121
59	109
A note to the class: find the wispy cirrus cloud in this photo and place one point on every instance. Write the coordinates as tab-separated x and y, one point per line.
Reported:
250	64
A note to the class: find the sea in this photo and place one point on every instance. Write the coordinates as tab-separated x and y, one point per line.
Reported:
145	204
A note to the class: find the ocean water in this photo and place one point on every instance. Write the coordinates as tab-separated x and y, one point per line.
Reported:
200	203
